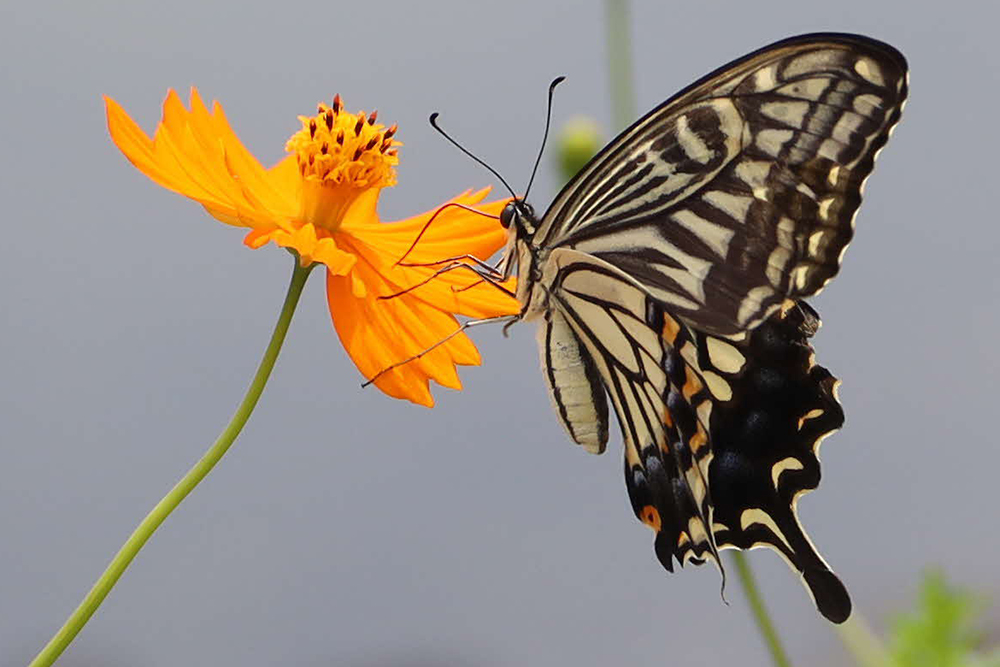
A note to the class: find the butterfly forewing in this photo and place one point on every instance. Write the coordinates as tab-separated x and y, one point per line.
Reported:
740	191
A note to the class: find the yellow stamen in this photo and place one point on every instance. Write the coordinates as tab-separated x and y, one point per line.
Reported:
340	155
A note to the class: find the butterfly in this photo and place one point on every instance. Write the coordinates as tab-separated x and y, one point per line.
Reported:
669	276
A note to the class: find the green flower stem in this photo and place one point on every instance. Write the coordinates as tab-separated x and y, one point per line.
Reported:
863	644
623	111
169	503
623	101
749	584
620	64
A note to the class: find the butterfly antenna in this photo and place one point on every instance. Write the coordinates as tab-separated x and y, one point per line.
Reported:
433	119
545	137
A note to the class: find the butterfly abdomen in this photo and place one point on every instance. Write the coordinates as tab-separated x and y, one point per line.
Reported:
575	388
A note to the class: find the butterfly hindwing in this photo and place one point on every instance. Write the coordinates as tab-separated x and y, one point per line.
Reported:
620	328
721	434
767	442
740	191
772	407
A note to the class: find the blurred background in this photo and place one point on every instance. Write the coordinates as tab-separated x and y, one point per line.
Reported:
345	528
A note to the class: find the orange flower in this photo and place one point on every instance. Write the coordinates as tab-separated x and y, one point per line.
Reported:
320	202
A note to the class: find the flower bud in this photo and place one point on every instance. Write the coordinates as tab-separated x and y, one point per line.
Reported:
579	139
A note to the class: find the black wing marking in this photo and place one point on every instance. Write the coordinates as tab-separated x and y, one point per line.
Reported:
772	408
741	190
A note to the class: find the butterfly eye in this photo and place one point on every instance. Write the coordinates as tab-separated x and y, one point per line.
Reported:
508	214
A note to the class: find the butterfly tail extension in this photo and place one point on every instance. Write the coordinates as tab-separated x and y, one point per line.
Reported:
765	441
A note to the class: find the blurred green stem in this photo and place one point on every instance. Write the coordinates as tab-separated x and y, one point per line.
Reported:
620	64
767	631
169	503
623	103
862	643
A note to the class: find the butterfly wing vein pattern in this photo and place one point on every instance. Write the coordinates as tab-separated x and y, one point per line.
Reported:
721	436
669	276
741	191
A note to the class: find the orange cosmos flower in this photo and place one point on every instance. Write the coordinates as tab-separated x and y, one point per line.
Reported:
320	202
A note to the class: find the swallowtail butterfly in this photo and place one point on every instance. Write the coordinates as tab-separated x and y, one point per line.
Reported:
670	273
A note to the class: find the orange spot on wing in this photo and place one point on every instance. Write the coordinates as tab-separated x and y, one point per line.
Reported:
699	439
670	329
651	517
692	385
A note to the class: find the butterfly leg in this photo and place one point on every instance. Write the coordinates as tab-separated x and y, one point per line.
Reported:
465	326
488	268
483	275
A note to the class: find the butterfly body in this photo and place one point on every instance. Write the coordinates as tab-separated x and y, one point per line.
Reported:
668	277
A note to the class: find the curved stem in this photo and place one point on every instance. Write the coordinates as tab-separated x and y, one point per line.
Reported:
862	643
764	624
619	46
620	64
169	503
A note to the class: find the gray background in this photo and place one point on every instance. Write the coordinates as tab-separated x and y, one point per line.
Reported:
345	528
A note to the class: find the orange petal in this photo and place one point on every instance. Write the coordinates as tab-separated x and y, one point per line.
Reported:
309	247
378	333
285	176
259	184
197	155
454	231
139	149
457	291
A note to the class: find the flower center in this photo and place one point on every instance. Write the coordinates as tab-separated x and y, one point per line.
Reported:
341	155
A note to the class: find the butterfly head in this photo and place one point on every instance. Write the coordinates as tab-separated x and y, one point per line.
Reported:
518	219
519	216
